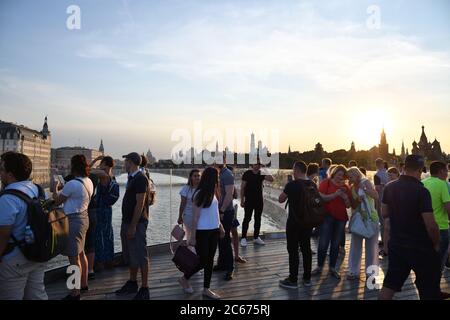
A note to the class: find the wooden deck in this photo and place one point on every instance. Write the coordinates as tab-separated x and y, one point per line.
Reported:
255	280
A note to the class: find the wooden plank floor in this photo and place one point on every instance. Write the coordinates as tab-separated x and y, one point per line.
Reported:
255	280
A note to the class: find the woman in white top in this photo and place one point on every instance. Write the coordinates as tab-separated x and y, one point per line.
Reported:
187	192
206	229
76	195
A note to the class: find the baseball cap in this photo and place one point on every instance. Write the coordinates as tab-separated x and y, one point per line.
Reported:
133	157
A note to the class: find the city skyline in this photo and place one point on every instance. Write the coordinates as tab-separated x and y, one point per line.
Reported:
256	145
314	71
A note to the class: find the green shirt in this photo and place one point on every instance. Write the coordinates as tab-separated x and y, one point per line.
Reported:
439	196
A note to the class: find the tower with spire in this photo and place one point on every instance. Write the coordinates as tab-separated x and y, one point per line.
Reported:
383	147
403	153
101	148
45	132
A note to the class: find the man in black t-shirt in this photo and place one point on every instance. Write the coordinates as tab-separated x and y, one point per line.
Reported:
411	234
296	233
252	200
134	228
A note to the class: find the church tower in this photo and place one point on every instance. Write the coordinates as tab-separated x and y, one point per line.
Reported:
101	148
403	153
45	132
383	148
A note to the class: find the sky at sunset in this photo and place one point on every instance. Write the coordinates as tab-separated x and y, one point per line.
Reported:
312	71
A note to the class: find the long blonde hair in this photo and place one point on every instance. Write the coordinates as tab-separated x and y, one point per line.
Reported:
356	172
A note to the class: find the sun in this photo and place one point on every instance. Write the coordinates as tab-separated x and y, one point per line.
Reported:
366	128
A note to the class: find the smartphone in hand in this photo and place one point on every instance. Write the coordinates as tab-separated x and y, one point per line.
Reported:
59	178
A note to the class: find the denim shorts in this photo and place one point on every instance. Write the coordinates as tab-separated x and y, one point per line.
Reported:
134	250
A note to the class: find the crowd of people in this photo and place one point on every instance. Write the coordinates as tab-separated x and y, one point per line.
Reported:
410	216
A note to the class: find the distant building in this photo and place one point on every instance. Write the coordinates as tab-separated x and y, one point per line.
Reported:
429	150
151	159
352	148
383	147
61	156
35	144
252	144
101	148
318	150
403	152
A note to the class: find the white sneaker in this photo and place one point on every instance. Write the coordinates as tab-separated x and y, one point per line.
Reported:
185	285
243	242
259	241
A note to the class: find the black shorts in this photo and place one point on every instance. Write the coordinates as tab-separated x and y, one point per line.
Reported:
424	262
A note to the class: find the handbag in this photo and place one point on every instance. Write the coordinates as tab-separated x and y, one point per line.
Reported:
363	228
186	260
178	234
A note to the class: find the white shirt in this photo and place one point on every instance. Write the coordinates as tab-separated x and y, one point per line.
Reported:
187	192
209	217
78	195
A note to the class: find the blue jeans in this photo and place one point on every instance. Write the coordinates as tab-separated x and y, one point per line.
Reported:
443	247
331	231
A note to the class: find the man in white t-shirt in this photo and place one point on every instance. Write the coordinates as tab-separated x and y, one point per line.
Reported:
19	277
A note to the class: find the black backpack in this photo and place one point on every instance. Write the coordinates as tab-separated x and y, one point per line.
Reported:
313	207
50	227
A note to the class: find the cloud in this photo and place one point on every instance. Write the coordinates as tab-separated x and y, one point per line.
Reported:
249	45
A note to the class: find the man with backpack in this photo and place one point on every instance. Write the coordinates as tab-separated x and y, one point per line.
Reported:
305	212
20	278
151	185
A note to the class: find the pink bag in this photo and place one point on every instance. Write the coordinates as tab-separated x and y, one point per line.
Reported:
178	234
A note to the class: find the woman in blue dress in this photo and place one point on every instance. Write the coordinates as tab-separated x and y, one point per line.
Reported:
106	196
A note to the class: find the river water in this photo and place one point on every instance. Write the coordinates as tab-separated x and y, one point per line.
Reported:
164	214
